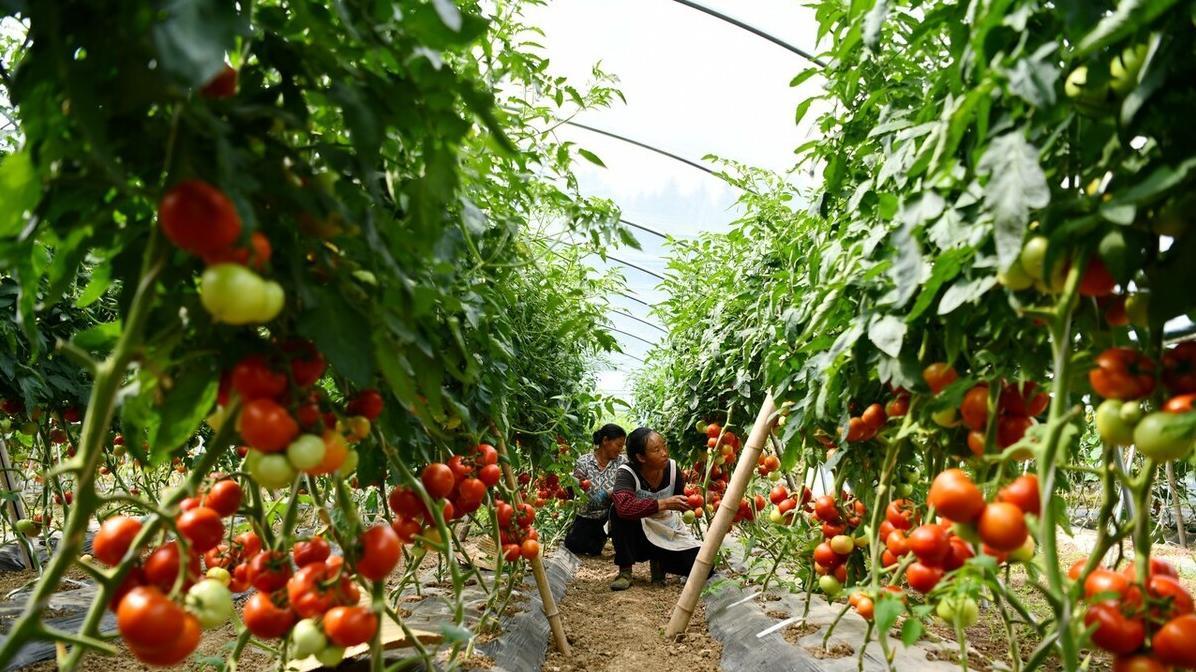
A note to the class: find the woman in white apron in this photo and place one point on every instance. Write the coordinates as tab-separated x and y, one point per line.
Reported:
597	470
645	521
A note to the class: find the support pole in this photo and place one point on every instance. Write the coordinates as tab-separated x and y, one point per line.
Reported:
550	610
721	524
16	506
1179	512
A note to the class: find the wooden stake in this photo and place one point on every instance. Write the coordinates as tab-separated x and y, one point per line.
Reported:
721	524
550	610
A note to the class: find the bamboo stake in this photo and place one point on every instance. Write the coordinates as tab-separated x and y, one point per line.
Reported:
16	507
721	524
550	610
1179	512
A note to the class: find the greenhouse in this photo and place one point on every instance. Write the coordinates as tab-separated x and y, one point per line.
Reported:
597	335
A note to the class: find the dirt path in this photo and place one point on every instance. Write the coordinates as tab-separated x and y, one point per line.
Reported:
618	631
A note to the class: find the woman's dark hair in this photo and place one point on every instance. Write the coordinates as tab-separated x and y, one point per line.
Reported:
637	444
608	431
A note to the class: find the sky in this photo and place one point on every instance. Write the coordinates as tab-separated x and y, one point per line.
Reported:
695	85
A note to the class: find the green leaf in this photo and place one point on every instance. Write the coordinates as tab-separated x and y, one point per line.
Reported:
888	333
803	76
99	338
1034	79
1156	185
874	21
591	157
20	190
906	269
1129	17
97	284
448	13
1016	185
911	631
186	405
888	608
341	333
193	38
802	108
965	291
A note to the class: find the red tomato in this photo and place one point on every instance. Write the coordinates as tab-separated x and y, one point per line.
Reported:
938	376
269	571
350	626
438	480
865	608
530	549
367	403
1183	403
900	514
1114	631
959	553
406	529
113	539
1022	493
265	618
223	85
976	442
189	503
1003	526
224	497
1122	373
267	426
313	589
162	567
930	543
380	550
874	416
1096	280
1011	429
202	527
1105	584
471	490
923	578
253	378
176	650
1140	663
248	544
1163	587
148	619
404	502
898	406
310	551
1179	368
826	556
1023	399
857	430
974	409
490	475
1114	311
833	529
198	217
825	509
1175	642
954	495
307	363
896	543
778	494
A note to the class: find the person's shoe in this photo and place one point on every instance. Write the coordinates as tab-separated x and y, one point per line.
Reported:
657	572
622	581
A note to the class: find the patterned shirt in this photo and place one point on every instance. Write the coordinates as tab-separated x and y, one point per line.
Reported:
601	480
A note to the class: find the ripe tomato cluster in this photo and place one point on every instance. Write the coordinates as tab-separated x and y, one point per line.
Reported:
158	627
462	483
517	534
839	525
1123	615
724	446
286	421
549	487
1125	376
1017	404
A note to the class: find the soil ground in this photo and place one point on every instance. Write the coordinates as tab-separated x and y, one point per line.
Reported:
617	631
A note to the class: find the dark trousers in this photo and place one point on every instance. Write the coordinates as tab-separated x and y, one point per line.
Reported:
632	546
587	536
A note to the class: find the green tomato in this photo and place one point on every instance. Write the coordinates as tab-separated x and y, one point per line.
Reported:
945	418
961	610
350	464
1078	89
220	574
1112	429
1124	68
700	426
232	293
775	516
211	602
272	302
331	656
966	532
1137	309
688	517
1131	413
905	489
366	277
307	639
1024	553
1164	437
1033	257
28	528
829	585
774	476
1015	278
29	428
273	472
306	452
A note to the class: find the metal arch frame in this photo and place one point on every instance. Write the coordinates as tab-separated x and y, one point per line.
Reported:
753	30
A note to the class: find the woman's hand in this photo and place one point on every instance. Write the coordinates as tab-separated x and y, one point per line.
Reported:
674	503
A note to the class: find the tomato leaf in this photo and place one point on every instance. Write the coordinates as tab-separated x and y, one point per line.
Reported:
911	631
193	38
185	406
340	332
1016	185
20	191
591	157
887	333
888	608
1129	16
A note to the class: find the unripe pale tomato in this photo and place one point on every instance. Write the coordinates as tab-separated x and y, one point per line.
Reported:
306	452
211	602
307	639
234	294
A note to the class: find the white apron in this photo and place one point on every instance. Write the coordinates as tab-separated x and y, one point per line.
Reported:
664	529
